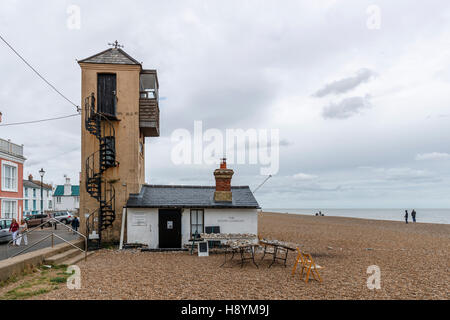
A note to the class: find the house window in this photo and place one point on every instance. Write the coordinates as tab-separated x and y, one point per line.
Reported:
26	205
47	193
9	173
34	193
26	192
197	224
49	204
58	199
34	205
9	209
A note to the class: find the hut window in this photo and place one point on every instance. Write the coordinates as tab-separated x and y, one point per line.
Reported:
197	222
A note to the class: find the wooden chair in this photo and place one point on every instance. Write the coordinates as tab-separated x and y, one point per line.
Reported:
307	265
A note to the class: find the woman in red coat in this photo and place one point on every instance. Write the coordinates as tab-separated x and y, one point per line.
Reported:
14	228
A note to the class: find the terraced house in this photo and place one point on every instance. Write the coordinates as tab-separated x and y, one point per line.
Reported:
11	173
32	197
66	197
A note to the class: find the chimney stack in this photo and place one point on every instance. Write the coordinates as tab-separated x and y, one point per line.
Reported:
67	186
223	182
30	177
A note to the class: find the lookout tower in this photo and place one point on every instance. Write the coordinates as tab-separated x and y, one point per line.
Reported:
120	109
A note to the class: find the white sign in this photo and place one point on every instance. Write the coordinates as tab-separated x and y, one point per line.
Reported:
230	219
139	219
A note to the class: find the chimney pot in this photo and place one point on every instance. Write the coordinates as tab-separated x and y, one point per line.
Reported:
223	164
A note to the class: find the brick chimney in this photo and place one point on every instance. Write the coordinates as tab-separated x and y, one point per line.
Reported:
223	182
30	177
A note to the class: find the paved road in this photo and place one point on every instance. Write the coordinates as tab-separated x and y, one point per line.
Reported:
34	237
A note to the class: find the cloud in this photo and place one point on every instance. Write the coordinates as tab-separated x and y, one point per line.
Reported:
405	174
346	84
246	66
346	108
304	176
432	156
285	143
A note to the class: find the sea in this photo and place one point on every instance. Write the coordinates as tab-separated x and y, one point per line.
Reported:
422	215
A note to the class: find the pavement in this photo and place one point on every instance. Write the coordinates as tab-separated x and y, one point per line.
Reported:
33	237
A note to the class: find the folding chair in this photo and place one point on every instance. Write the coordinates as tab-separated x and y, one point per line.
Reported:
307	265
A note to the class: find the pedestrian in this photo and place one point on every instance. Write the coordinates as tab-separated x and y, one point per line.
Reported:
23	228
14	227
406	216
413	215
75	224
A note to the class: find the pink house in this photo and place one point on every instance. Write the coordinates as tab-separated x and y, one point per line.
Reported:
11	179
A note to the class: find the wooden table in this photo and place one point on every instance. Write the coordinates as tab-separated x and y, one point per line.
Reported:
242	250
276	247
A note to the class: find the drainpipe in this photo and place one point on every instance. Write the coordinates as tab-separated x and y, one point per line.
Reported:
122	228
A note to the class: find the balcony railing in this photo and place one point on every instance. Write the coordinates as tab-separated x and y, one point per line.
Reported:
149	103
11	148
148	115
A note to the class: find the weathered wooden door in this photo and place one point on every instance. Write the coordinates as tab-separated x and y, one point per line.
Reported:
106	93
169	228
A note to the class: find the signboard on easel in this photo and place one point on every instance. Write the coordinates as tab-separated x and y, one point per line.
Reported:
203	249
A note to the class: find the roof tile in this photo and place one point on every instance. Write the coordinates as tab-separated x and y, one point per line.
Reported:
161	196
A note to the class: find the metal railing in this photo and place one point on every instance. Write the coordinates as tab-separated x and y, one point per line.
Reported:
52	235
11	148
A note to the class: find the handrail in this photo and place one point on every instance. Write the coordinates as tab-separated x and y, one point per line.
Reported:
104	192
46	237
88	222
16	254
92	112
108	190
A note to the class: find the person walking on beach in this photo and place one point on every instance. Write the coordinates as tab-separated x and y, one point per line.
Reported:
413	215
14	227
23	228
406	216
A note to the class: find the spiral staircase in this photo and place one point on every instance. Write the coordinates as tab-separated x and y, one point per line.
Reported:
99	125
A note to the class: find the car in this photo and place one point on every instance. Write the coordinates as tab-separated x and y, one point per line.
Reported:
37	219
63	216
5	234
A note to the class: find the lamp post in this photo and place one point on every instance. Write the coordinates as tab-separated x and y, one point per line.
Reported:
41	173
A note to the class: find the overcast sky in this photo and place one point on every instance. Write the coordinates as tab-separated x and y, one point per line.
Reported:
362	104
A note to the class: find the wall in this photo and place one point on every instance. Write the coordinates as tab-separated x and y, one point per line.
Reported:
69	203
129	175
11	195
229	220
30	199
142	226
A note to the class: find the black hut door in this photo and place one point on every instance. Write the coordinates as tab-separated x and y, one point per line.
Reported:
106	93
169	228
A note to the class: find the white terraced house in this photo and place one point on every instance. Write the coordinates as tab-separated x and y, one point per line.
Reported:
66	197
32	197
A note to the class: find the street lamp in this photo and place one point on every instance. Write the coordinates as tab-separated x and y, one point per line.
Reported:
42	172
